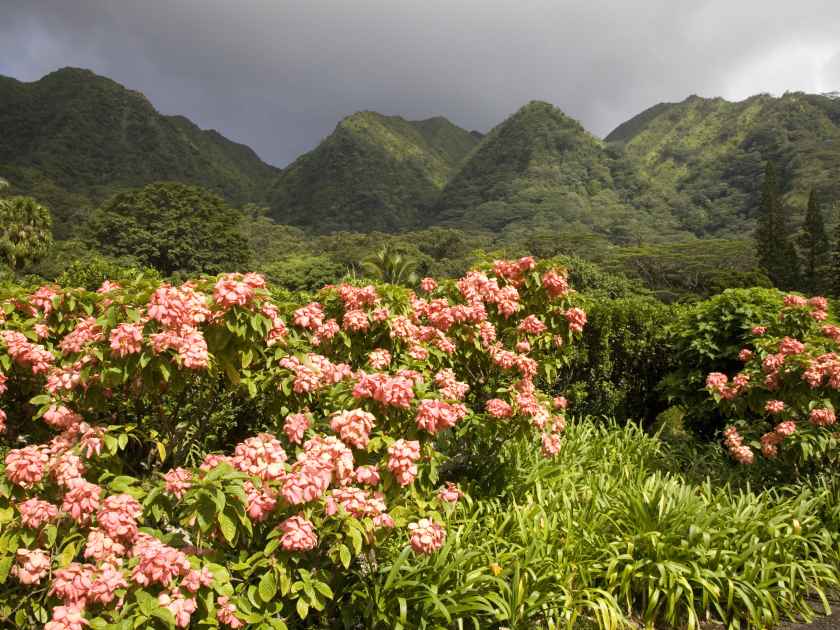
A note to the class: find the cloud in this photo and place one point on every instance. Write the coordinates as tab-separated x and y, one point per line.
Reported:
279	74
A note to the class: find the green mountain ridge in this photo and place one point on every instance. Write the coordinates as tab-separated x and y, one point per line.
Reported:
374	172
73	138
540	169
707	155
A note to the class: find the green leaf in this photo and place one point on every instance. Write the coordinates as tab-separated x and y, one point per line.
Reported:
228	527
302	608
268	586
344	555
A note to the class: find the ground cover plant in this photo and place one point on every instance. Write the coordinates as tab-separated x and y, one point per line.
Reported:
217	454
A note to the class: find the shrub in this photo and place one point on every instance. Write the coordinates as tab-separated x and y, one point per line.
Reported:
707	337
621	357
783	397
102	502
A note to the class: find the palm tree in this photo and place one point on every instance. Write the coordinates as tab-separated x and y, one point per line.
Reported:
25	230
388	265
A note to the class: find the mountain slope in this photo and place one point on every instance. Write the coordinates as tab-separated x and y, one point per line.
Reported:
75	136
373	172
707	155
541	169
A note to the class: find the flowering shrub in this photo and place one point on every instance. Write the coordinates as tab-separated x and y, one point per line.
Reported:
782	401
106	517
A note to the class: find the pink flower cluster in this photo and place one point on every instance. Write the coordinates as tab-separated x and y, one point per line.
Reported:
298	534
353	427
261	456
391	391
436	415
402	460
740	452
426	536
126	339
34	356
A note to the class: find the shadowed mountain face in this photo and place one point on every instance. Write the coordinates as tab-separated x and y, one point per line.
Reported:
709	154
73	138
373	172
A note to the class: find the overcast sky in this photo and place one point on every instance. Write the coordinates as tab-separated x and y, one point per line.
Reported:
279	74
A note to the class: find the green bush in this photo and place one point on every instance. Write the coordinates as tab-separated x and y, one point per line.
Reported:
622	356
707	337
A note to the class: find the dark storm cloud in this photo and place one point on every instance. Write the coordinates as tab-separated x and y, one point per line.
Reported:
278	74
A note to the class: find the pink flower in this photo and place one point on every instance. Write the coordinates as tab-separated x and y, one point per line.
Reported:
576	318
72	583
355	321
86	331
550	444
230	291
181	607
66	618
261	456
353	427
81	501
295	427
158	563
822	417
402	461
31	566
194	580
3	379
560	402
368	475
795	300
556	284
759	330
102	547
774	406
532	325
791	346
117	516
450	493
298	534
126	339
745	354
25	466
226	612
310	316
498	408
379	359
178	481
436	415
786	428
261	501
34	513
428	284
426	536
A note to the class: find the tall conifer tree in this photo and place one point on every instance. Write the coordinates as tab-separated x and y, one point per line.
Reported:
775	252
815	247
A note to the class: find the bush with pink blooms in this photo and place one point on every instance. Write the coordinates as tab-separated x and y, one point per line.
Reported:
206	454
780	404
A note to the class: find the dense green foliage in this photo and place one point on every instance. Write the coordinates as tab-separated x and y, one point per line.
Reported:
25	231
618	363
707	155
775	251
707	337
540	169
74	138
171	227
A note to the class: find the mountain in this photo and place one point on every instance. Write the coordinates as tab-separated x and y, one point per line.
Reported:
540	169
73	138
374	172
707	155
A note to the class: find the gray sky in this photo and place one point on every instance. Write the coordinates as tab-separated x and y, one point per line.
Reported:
279	74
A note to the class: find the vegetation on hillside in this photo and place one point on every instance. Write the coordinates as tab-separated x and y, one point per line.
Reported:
74	138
